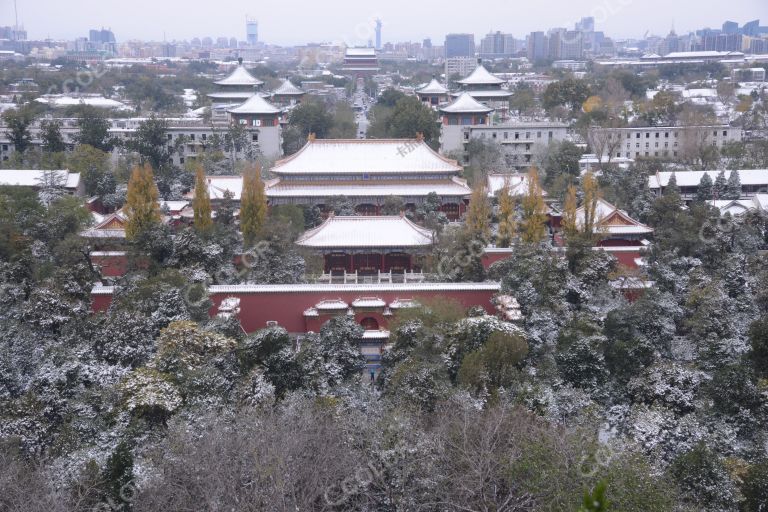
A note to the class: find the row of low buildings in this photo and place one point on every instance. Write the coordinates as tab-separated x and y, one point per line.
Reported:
238	99
479	110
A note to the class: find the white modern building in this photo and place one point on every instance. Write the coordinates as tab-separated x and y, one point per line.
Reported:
665	142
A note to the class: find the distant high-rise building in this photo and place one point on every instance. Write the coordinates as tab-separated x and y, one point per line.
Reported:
459	45
378	34
538	46
427	43
251	31
496	44
233	42
13	33
586	24
730	27
751	28
101	36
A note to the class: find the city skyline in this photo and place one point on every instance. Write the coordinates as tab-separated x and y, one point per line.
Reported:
355	25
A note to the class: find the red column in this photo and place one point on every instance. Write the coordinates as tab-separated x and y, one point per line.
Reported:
351	263
383	262
410	262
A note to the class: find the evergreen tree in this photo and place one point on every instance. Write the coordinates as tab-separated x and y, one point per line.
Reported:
50	134
253	205
534	211
733	187
141	206
507	220
705	190
672	191
201	204
18	122
94	129
478	214
720	186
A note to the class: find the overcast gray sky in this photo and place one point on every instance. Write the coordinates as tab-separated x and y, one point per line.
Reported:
294	22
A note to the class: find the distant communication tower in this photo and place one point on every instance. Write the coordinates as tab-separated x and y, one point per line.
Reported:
378	34
251	31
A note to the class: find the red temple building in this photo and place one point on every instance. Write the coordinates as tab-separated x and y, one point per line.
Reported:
367	172
369	249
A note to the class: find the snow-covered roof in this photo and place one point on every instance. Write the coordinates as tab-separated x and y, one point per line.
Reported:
403	303
218	185
376	335
363	231
481	76
761	201
465	103
103	233
256	104
174	206
517	183
287	89
231	95
331	305
753	177
62	100
365	156
734	207
455	187
239	76
702	55
33	178
614	221
335	288
368	302
433	87
361	52
491	94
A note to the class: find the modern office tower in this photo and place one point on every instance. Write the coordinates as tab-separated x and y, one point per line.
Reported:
251	31
459	45
538	46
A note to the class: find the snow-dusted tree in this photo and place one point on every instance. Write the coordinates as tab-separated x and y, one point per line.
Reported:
704	479
333	356
733	187
150	394
705	190
125	339
719	187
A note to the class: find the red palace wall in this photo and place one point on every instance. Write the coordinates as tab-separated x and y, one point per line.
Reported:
285	304
111	266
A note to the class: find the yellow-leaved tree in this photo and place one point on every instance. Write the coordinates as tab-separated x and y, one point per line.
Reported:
533	225
141	205
570	226
201	204
253	205
478	219
591	190
507	220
